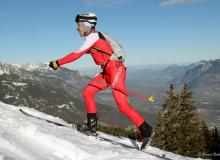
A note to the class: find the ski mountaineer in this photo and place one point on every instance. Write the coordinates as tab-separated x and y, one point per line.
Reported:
114	75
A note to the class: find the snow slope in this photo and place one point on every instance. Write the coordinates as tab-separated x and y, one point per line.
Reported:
27	138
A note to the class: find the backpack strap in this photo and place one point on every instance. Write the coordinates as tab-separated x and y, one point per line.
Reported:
99	50
101	35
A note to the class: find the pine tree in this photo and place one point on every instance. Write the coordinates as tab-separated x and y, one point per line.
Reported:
215	145
162	138
180	129
192	127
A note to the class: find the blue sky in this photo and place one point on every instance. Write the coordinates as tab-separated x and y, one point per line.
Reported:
151	31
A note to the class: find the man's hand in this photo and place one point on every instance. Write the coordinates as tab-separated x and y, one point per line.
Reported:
54	64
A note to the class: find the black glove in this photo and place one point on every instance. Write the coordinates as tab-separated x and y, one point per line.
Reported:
54	64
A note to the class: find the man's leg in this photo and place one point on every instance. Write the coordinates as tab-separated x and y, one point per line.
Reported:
121	98
96	85
117	80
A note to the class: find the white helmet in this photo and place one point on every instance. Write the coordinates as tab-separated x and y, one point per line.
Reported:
86	17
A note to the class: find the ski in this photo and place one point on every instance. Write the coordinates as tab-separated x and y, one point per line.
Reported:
49	121
101	138
117	143
158	156
132	147
135	146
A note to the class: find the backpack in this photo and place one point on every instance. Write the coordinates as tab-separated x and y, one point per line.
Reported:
117	48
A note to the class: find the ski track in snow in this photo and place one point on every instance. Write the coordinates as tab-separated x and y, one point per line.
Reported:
26	138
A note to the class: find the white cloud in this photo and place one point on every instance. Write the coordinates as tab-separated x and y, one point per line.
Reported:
171	3
104	2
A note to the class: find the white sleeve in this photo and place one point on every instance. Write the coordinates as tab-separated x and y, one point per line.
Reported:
88	42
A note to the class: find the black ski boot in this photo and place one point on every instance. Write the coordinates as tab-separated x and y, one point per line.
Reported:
145	132
89	128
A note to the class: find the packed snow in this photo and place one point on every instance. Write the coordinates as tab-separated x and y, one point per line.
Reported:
27	138
62	106
8	96
19	84
31	67
1	72
4	71
28	67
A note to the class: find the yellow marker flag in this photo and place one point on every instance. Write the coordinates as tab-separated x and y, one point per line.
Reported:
151	98
82	75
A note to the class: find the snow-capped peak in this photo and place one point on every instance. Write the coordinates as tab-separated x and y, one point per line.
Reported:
4	71
31	67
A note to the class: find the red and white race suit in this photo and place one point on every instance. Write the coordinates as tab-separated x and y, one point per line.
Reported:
113	75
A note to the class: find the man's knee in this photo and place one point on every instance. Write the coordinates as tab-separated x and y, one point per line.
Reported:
123	105
90	90
122	108
121	100
87	92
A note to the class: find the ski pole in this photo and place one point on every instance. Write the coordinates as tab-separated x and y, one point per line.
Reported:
126	91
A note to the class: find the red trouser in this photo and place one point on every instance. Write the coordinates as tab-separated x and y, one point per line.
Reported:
114	77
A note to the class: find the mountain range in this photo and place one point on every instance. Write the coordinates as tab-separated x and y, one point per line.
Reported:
59	92
202	77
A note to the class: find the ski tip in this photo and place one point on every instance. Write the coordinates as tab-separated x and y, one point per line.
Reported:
21	110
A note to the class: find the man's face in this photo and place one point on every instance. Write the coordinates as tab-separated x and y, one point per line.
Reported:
80	29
